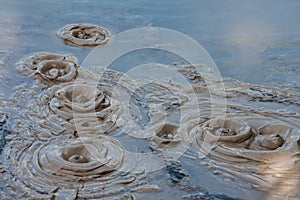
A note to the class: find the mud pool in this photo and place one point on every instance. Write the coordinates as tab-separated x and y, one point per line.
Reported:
73	130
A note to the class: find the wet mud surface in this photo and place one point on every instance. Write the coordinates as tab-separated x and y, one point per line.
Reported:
70	131
69	137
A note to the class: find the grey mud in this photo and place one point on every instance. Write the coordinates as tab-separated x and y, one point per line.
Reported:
64	144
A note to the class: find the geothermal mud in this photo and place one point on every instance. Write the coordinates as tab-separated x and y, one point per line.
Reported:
84	35
63	136
70	168
50	68
258	145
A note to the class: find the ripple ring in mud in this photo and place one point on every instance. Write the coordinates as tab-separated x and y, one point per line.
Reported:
82	107
87	158
57	71
226	131
268	155
32	61
71	168
85	35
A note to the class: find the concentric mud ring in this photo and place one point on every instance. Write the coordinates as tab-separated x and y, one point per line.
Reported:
225	131
56	71
261	150
85	157
50	68
91	166
81	107
84	35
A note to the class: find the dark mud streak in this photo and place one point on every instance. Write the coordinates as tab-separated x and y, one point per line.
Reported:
175	171
3	130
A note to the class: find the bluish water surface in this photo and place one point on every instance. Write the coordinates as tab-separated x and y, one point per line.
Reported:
257	42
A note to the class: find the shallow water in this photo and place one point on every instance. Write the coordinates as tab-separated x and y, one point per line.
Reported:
255	43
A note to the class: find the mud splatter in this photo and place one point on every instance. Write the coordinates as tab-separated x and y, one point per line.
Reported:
84	35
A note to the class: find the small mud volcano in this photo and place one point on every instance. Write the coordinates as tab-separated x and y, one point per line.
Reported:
71	168
226	131
50	68
166	135
56	71
269	137
84	35
81	107
258	149
84	158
